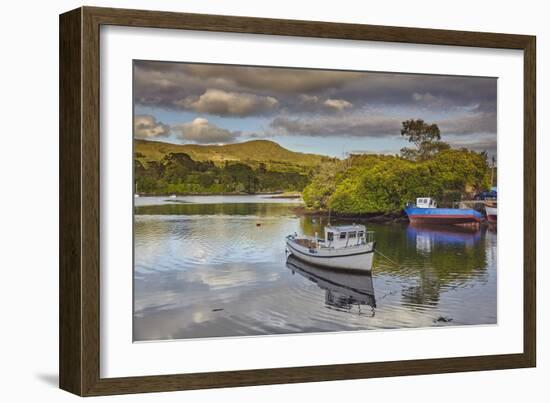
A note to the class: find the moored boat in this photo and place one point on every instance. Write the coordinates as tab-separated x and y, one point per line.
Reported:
491	213
343	247
426	211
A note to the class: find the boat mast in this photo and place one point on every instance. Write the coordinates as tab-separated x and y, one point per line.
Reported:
492	170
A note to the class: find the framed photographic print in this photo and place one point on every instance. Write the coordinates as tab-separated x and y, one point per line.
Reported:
250	201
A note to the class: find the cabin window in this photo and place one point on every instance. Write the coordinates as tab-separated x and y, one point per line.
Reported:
360	234
330	236
352	234
342	235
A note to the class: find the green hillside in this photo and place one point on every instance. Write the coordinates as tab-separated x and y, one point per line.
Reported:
252	153
251	167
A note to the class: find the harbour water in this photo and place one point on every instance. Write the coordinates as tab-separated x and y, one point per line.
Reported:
216	266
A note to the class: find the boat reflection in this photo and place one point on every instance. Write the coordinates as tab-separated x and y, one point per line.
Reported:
426	236
344	290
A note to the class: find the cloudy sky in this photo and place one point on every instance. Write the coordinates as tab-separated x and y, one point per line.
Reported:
317	111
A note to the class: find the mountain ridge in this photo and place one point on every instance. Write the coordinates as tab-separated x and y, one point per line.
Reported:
253	152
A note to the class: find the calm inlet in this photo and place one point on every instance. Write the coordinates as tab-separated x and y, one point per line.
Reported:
216	266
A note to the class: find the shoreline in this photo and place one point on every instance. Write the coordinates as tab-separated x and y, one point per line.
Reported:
278	195
379	217
302	210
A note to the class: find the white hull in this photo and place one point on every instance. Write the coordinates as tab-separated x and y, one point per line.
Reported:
491	213
355	258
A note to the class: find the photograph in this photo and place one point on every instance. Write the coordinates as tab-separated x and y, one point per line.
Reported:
275	200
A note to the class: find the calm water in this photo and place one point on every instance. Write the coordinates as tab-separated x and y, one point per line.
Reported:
215	266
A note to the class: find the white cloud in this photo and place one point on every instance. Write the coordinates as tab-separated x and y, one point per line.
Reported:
202	131
224	103
424	97
308	99
337	104
146	126
356	125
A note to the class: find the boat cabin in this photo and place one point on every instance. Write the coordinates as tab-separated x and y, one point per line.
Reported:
426	202
342	236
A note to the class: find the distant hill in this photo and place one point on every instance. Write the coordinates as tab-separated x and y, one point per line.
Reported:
257	166
252	153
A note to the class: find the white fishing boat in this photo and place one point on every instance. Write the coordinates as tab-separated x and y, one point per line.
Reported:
343	247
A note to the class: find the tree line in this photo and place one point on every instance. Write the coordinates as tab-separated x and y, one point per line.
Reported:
359	184
364	184
178	173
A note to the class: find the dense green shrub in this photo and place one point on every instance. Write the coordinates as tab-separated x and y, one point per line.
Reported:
374	183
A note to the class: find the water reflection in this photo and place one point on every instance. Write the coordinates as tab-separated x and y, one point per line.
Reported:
220	269
427	236
213	199
344	290
263	209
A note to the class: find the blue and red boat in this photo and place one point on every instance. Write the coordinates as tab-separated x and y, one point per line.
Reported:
425	211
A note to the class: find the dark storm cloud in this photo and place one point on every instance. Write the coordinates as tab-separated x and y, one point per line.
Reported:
280	80
261	91
323	126
476	122
476	142
434	92
258	90
376	124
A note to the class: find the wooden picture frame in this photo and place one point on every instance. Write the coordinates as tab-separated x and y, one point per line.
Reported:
79	346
